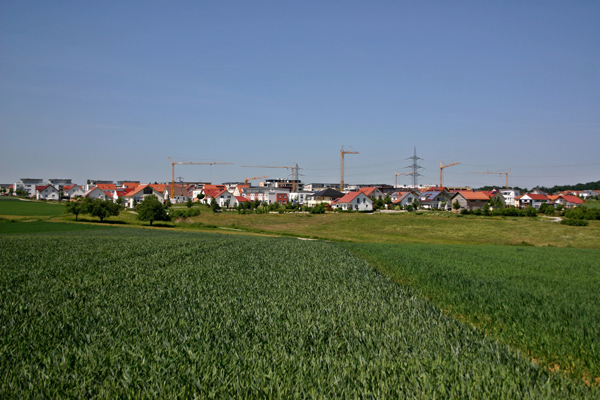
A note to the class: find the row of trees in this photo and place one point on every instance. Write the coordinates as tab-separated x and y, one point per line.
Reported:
150	209
94	207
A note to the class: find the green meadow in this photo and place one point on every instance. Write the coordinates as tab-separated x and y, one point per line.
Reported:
216	308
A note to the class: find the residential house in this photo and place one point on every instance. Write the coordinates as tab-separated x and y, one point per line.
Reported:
353	201
532	200
267	194
372	192
224	198
180	194
108	188
299	197
404	198
73	191
60	183
495	196
120	192
140	193
47	192
326	196
239	189
96	193
510	196
28	185
470	200
436	198
567	201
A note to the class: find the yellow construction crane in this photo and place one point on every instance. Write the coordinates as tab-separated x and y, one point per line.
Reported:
442	168
294	169
501	173
396	177
251	179
173	163
342	152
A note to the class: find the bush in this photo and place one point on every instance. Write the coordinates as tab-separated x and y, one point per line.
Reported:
575	222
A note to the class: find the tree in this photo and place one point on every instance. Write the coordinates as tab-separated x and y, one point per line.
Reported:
151	209
456	205
189	203
104	209
214	205
75	208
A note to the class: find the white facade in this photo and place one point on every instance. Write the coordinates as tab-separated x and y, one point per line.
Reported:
74	191
509	197
47	192
354	201
95	193
28	184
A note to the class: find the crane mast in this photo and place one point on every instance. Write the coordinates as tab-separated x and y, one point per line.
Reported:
342	152
442	168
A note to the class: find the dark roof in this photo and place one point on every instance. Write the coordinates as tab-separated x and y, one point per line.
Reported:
329	192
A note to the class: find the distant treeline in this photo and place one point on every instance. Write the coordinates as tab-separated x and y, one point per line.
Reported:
579	186
554	189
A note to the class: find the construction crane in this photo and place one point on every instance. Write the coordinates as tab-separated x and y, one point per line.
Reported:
251	179
442	168
501	173
342	152
294	169
173	163
396	177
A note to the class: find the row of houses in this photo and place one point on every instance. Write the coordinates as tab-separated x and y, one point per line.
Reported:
129	193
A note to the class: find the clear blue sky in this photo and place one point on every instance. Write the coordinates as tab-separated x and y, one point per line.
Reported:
111	89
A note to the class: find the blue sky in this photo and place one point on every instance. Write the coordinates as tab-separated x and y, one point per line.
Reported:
109	90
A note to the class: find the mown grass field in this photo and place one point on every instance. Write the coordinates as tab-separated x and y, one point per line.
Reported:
120	312
18	208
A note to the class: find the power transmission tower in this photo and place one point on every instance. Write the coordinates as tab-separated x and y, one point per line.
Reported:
415	169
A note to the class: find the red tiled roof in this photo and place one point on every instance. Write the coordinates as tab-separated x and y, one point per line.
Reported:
106	186
367	190
474	195
159	187
139	189
348	197
535	196
572	199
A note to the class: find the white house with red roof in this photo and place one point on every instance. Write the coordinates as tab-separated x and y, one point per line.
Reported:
224	198
73	191
120	192
96	193
353	201
567	201
47	192
372	192
140	193
534	200
404	198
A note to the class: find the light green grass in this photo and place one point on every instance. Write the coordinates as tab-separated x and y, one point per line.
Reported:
10	206
543	301
119	313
